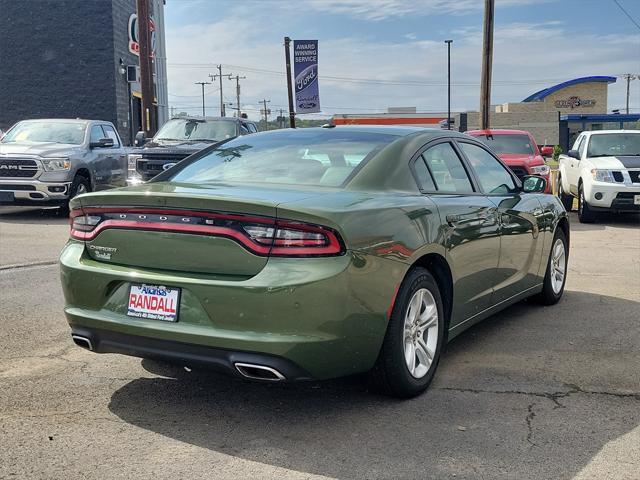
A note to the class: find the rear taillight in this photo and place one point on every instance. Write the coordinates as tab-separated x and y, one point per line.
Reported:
260	235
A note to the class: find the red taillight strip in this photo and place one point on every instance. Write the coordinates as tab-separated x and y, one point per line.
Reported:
306	247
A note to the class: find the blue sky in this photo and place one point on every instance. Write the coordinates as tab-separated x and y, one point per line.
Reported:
537	43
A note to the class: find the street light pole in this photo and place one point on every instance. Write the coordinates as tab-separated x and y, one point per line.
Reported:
202	84
287	60
487	58
448	42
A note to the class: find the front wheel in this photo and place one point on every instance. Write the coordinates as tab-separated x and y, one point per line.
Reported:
556	273
585	214
565	198
412	345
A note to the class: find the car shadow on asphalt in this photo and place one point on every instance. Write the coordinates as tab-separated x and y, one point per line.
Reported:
505	403
618	220
28	215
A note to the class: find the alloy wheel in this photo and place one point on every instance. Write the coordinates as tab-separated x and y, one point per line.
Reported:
420	333
558	266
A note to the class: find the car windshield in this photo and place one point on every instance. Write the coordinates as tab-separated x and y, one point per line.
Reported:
508	143
71	133
303	157
606	144
197	130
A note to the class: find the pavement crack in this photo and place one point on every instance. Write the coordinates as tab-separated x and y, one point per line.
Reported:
528	419
22	266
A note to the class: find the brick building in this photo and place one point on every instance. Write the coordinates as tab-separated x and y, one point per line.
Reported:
68	58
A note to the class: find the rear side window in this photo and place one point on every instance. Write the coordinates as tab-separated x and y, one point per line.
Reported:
424	177
448	173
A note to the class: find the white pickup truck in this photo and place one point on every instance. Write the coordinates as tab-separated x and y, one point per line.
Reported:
603	171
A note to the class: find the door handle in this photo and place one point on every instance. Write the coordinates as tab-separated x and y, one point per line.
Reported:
453	220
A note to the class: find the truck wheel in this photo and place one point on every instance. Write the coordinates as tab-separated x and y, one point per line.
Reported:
585	214
415	335
565	198
79	186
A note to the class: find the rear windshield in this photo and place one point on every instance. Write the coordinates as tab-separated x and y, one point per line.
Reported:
508	143
302	157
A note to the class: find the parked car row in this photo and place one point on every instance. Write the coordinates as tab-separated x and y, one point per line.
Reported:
47	162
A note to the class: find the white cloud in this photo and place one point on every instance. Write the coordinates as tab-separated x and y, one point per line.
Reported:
527	58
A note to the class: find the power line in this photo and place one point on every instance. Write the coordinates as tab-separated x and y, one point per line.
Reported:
626	13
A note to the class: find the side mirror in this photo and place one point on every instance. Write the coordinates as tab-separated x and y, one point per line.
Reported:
533	184
140	139
574	154
546	151
102	143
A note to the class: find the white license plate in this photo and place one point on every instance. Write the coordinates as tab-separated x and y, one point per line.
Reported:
154	302
636	199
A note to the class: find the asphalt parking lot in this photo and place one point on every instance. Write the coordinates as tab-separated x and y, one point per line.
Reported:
531	393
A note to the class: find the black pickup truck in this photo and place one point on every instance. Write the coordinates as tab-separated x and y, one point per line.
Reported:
179	138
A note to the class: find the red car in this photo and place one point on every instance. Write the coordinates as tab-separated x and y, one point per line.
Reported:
518	149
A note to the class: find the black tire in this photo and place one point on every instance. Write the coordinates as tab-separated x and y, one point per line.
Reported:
390	375
79	182
549	296
585	214
565	198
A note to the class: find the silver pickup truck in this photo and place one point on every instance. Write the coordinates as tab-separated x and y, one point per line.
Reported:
47	162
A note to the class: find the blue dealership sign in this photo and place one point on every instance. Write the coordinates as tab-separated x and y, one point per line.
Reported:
305	70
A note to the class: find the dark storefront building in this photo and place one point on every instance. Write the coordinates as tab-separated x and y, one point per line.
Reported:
68	58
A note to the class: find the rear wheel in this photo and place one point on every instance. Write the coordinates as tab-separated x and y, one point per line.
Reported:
556	274
585	214
565	198
411	350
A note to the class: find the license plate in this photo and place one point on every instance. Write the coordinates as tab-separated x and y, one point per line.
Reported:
636	199
155	302
7	197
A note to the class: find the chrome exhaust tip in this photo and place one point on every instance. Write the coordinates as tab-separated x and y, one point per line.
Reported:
259	372
83	342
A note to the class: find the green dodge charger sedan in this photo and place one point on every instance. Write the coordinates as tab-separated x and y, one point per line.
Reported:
312	254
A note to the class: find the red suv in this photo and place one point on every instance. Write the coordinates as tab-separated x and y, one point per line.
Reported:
518	149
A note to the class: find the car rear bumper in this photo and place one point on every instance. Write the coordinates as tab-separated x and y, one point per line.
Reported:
33	192
326	316
184	354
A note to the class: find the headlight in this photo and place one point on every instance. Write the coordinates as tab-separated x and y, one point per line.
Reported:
132	163
56	164
540	170
602	175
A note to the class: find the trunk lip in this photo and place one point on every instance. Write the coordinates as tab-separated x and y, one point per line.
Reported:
335	247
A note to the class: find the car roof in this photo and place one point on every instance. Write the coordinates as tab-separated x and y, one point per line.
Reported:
213	119
600	132
64	120
398	130
497	131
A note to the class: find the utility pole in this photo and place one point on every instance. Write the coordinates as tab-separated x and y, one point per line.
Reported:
238	78
265	112
628	77
146	69
448	42
220	75
202	84
287	59
487	58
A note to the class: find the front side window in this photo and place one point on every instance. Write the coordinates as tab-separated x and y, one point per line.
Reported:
581	147
501	143
300	157
96	134
492	175
446	168
111	133
46	132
